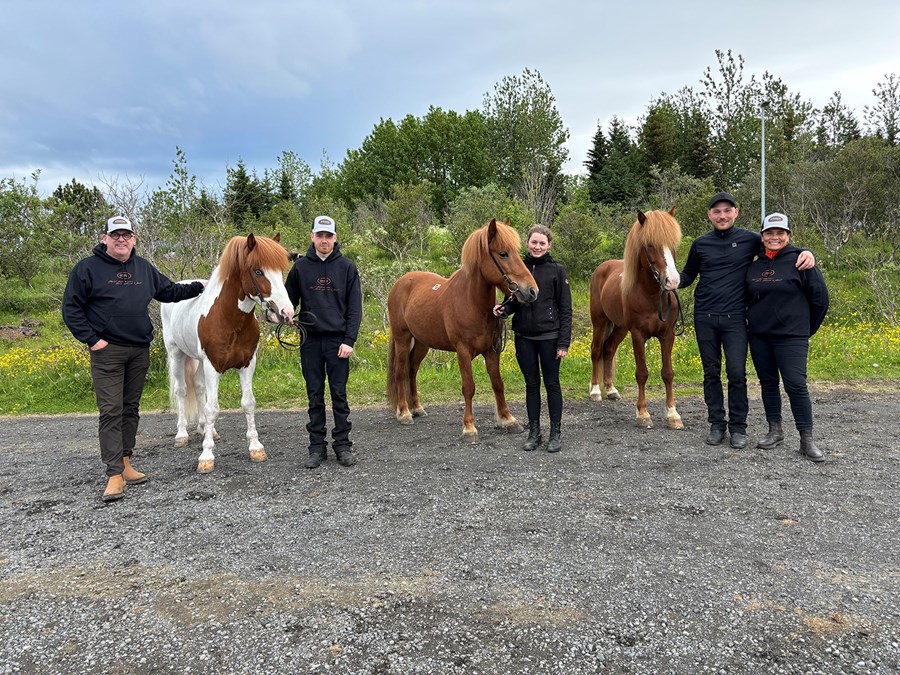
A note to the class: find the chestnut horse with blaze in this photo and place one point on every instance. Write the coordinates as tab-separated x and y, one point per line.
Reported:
629	295
427	311
217	331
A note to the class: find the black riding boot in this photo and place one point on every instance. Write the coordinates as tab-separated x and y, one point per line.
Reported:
808	446
554	445
534	435
773	438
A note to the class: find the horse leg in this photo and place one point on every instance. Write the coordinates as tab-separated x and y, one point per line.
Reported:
402	375
666	343
610	349
505	419
177	387
464	359
248	405
415	360
640	374
207	460
597	358
200	394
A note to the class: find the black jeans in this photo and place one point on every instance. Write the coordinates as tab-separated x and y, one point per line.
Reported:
787	356
538	357
718	333
319	359
118	374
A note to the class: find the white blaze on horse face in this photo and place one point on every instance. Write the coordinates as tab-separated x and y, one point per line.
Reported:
278	295
672	276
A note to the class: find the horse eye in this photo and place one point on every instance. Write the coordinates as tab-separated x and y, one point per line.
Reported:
258	273
504	254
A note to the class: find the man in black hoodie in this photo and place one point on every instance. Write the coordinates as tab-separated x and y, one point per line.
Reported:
105	306
326	284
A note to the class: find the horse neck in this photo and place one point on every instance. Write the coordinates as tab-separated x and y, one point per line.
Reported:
473	286
227	300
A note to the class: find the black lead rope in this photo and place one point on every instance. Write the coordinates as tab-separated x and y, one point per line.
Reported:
665	299
292	337
500	335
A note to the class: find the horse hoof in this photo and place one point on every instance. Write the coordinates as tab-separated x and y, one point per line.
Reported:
406	419
514	428
181	442
597	397
419	412
613	396
258	455
206	465
644	422
676	424
216	436
470	437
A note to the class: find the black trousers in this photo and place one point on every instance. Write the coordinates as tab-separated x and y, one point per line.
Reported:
537	357
319	359
787	356
118	374
718	334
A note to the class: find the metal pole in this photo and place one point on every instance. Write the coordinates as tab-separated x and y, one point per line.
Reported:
762	112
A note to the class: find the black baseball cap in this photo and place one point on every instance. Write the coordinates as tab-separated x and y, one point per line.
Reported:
722	197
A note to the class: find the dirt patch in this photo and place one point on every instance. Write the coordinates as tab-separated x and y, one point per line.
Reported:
638	551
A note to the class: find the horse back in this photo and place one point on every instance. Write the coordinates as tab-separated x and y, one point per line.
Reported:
606	292
425	306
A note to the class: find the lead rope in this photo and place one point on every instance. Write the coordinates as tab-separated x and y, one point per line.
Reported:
500	333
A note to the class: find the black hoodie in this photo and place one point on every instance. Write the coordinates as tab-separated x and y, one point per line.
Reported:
330	290
106	299
550	316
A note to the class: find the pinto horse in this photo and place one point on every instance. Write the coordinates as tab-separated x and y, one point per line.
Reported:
629	295
217	331
427	311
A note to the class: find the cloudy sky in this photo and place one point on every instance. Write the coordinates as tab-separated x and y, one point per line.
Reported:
100	89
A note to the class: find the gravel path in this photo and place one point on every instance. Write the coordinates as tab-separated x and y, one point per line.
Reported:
632	551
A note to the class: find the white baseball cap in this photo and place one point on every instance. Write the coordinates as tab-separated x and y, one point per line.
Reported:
323	224
118	223
775	220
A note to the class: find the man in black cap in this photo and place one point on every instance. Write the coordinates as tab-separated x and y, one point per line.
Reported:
721	257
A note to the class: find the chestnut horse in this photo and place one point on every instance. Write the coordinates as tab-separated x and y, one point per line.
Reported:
427	311
629	295
218	331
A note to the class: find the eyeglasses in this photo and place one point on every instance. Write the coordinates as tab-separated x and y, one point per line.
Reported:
121	235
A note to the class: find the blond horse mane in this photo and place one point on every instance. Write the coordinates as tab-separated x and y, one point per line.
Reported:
477	245
654	228
267	254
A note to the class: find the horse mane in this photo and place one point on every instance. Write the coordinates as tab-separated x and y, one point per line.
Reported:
267	254
658	229
477	245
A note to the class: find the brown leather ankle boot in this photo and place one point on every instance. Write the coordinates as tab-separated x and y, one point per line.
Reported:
131	475
808	446
773	438
115	488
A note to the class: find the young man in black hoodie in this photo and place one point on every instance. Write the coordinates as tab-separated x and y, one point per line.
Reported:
105	307
326	284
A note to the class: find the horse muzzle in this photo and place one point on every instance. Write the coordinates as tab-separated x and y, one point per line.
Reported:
526	295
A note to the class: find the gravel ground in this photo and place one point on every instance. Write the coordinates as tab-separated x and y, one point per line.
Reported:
632	551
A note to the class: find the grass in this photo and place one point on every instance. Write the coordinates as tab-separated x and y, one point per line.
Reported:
50	374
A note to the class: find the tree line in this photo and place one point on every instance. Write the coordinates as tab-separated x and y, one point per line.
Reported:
416	187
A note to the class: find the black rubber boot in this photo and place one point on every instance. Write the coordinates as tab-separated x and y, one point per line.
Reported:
773	438
554	445
809	448
534	435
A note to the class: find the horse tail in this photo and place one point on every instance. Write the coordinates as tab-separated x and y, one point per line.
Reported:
391	376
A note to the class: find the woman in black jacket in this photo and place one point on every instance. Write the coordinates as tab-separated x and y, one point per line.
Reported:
543	332
785	307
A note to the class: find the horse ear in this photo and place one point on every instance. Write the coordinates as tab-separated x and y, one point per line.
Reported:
277	237
641	217
672	211
251	242
492	229
507	220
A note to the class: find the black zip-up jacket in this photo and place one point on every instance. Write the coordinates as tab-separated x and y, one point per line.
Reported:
550	316
721	259
329	289
781	300
107	299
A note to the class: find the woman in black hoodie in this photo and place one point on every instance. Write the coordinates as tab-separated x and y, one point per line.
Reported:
543	332
785	307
